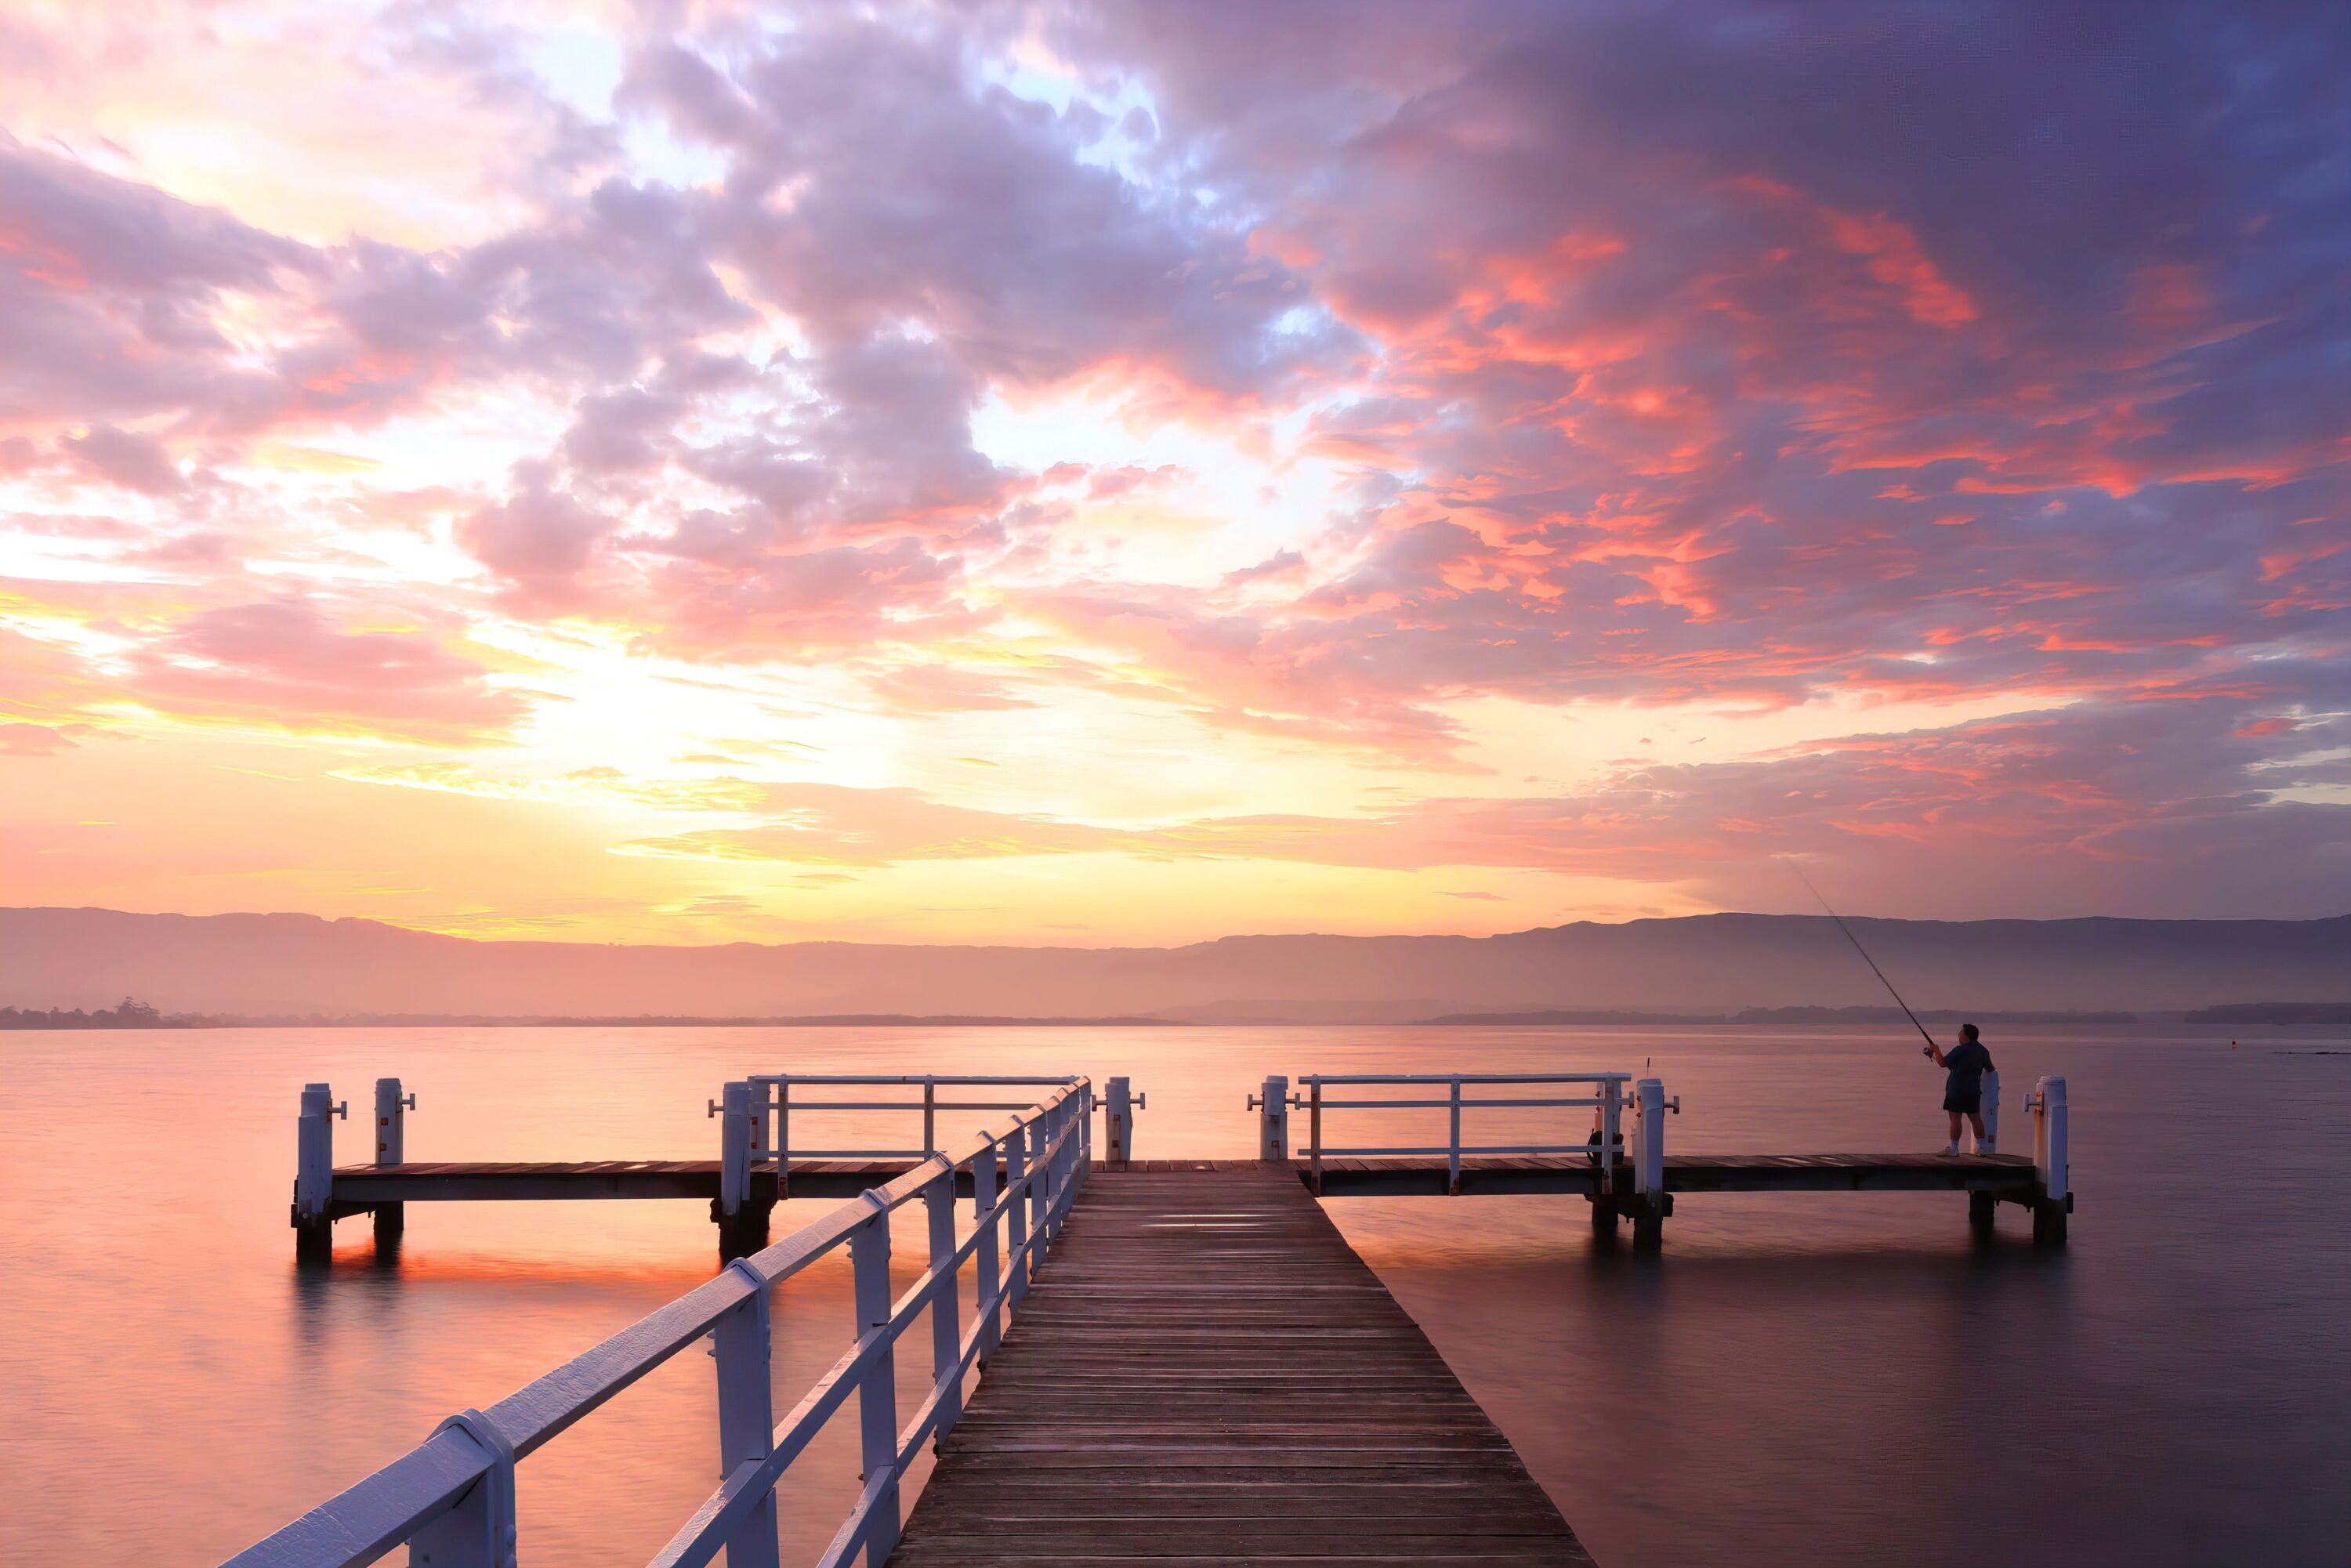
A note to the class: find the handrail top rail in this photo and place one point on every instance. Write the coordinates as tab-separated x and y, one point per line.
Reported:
1316	1078
913	1079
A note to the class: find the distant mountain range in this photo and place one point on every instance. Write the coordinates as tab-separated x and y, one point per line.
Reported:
250	964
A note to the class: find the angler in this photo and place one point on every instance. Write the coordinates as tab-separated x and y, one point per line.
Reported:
1966	1063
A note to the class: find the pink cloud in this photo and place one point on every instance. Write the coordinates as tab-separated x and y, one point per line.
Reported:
33	740
285	664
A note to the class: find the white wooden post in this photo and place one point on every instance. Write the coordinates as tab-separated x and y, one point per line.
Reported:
1118	1122
1649	1173
734	1148
746	1415
877	1391
930	1117
479	1533
946	1307
986	1264
1653	1136
1611	1133
1314	1133
783	1137
1453	1149
1016	1223
1086	1133
390	1149
2057	1174
314	1172
314	1153
1041	1159
1635	1139
1989	1142
1274	1119
2050	1165
391	1133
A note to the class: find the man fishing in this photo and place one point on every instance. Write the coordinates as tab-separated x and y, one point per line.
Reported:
1966	1063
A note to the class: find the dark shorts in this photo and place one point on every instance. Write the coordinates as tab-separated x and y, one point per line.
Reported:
1967	1100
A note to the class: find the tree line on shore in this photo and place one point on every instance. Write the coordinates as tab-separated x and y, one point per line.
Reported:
131	1014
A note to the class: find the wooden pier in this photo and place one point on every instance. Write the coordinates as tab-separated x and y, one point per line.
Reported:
1623	1172
1206	1372
1184	1362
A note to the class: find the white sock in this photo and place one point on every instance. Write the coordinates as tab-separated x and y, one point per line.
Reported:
1952	1148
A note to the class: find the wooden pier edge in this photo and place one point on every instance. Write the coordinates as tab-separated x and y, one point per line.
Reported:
1989	1180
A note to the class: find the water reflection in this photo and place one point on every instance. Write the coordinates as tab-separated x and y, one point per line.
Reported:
1827	1378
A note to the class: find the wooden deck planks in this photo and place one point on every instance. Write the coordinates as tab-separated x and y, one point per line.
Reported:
1205	1373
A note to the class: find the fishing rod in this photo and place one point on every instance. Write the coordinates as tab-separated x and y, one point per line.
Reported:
1866	958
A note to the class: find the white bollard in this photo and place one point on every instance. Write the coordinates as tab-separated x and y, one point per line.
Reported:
390	1132
1649	1106
314	1152
1989	1142
2049	1137
1118	1122
314	1173
2050	1165
1649	1166
734	1148
1274	1119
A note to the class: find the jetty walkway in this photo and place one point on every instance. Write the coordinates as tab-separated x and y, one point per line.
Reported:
1205	1371
1174	1361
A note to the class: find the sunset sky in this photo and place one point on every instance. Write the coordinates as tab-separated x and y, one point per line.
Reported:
1106	473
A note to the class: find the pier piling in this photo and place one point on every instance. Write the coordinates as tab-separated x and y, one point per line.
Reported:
1272	1105
390	1149
314	1172
2051	1178
1119	1105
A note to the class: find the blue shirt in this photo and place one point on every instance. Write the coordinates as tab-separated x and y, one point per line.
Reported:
1966	1062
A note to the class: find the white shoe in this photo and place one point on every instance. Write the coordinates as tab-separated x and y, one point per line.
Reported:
1986	1146
1952	1148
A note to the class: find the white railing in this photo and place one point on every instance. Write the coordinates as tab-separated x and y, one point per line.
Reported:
1607	1100
451	1497
765	1135
771	1098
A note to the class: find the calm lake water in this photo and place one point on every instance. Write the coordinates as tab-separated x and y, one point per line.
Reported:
1807	1378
